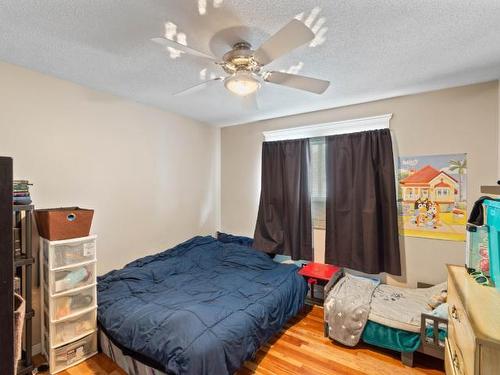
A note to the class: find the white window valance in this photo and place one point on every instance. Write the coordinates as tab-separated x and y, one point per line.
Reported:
330	128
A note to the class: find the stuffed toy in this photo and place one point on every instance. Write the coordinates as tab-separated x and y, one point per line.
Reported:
438	299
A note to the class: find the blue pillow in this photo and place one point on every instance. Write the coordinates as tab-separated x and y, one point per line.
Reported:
239	240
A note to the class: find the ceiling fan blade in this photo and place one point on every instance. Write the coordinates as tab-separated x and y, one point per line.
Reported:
181	47
249	102
198	87
291	36
317	86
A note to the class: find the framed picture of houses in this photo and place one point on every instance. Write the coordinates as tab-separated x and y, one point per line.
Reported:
432	196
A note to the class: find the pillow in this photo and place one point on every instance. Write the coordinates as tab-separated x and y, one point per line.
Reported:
373	280
286	259
441	311
239	240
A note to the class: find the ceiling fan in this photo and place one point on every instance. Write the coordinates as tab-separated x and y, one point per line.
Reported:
245	66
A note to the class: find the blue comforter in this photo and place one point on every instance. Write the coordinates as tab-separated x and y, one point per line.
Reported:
203	307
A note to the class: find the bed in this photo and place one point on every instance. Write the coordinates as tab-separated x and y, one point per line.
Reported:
203	307
400	319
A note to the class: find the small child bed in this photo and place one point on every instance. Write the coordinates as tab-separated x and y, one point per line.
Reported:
402	319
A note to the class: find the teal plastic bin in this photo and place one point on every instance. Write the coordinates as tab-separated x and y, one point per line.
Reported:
477	248
493	221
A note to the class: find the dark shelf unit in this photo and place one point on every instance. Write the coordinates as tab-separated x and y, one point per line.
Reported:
22	207
23	261
23	268
6	269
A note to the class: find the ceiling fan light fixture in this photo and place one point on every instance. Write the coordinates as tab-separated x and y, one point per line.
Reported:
242	83
244	66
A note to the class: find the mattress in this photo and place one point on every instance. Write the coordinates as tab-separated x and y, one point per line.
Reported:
129	364
390	338
398	339
401	308
203	307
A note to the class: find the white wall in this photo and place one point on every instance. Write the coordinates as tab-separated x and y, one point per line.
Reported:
463	119
150	175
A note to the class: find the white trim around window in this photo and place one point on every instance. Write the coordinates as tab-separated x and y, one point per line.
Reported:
330	128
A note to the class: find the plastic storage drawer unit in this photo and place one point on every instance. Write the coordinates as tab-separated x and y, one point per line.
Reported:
73	277
69	252
71	354
493	221
67	330
70	303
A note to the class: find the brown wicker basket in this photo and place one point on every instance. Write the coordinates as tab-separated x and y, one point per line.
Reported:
64	223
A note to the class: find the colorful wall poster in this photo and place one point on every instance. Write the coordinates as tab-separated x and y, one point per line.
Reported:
432	196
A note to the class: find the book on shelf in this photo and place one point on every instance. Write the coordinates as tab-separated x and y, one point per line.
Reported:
22	200
21	193
21	185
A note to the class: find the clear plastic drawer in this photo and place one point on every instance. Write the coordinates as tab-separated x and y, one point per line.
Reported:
69	252
71	354
73	328
73	303
72	278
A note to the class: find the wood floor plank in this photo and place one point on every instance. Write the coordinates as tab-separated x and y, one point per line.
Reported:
310	359
301	349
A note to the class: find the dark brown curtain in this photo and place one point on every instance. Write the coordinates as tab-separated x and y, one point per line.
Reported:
361	211
284	220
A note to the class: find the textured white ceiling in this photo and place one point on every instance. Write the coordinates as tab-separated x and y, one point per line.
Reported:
368	49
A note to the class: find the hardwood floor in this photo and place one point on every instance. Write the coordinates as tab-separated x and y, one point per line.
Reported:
99	364
301	349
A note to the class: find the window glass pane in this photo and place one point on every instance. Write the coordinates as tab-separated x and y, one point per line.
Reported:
318	182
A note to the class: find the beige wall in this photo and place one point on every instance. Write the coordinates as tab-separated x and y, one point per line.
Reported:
153	177
456	120
150	175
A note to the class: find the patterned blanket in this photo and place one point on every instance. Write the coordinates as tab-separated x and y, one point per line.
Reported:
401	308
347	307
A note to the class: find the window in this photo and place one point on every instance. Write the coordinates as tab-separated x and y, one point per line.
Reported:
317	134
318	182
